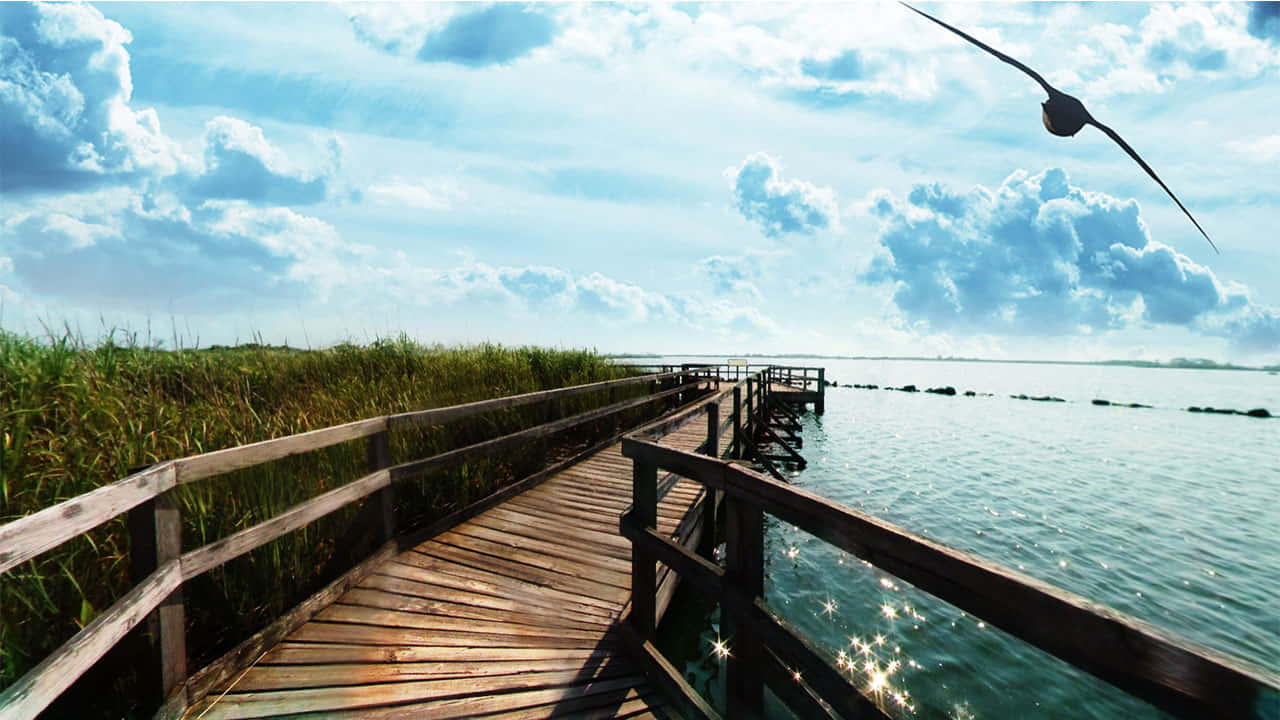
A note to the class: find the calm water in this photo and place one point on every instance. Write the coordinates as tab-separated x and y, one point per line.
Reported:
1166	515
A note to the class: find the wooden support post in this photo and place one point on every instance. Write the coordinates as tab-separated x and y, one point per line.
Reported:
155	538
744	559
736	450
644	496
379	453
820	405
708	504
750	423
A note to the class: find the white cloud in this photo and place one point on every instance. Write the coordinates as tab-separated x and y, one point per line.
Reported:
420	194
1171	43
1260	150
65	89
1038	256
777	206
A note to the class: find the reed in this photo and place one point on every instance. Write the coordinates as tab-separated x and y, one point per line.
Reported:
76	415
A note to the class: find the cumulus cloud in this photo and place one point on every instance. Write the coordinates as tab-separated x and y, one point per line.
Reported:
732	274
777	206
66	123
65	89
1173	42
1040	256
470	34
240	164
542	290
154	249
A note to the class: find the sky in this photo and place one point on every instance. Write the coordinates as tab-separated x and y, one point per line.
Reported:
688	178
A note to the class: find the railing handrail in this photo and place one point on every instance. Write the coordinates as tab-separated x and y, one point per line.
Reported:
1140	658
32	535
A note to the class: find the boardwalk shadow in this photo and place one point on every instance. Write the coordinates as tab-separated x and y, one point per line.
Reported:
608	685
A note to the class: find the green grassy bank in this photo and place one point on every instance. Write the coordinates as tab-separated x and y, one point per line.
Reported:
75	416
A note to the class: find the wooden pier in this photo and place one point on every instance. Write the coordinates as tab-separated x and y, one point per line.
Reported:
542	600
512	612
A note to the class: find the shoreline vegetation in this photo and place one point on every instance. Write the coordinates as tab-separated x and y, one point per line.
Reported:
1174	364
76	415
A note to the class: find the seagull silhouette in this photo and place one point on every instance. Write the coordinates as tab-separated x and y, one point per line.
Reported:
1064	115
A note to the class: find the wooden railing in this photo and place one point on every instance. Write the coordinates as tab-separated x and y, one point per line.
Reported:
1137	657
801	378
155	524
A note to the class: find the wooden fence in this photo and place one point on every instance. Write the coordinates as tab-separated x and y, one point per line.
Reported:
156	524
1137	657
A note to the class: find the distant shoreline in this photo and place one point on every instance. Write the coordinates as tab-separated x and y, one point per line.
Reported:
1175	364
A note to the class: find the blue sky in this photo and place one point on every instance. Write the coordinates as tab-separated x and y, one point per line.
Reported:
843	179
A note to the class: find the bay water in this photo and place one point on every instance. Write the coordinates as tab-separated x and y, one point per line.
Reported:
1169	516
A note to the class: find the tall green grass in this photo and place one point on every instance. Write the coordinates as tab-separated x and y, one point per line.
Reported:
76	415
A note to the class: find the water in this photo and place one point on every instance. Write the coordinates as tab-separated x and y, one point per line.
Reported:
1169	516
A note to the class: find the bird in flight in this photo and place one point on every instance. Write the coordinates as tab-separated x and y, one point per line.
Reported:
1064	115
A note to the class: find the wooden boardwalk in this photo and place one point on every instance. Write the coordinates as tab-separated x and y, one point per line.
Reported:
511	614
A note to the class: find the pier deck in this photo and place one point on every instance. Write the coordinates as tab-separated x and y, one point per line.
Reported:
510	614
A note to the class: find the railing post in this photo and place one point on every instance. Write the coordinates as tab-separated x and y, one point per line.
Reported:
820	405
744	570
737	422
709	521
748	431
644	497
379	454
155	538
713	429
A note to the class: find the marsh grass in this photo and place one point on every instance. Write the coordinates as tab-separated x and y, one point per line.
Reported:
77	415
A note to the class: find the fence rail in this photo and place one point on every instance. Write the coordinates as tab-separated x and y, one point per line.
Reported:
156	525
1135	656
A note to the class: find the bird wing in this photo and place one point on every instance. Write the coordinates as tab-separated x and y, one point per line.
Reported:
1133	154
1034	75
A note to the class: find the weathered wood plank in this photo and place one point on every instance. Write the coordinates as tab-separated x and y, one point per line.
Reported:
32	692
530	525
460	607
462	562
471	706
216	553
263	704
155	538
289	677
546	545
353	634
496	595
219	462
298	653
364	615
442	572
227	666
38	532
542	568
